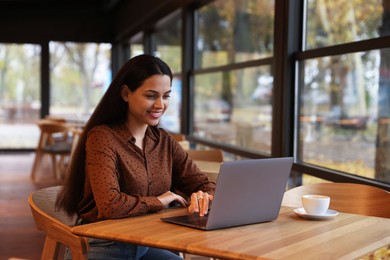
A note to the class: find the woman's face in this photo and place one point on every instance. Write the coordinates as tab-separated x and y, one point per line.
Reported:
149	102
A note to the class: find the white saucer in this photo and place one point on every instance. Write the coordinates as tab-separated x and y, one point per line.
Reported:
329	214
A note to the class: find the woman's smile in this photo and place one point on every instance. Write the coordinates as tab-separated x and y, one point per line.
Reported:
155	114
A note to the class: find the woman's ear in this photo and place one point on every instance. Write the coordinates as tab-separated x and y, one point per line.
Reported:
124	92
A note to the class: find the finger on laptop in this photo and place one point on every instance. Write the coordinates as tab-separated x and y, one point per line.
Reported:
200	203
197	199
205	205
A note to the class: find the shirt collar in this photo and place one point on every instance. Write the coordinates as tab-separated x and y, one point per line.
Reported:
124	132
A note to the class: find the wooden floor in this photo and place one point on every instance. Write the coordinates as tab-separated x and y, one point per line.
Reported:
19	236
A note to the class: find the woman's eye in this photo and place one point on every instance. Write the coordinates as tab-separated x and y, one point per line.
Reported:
150	96
167	96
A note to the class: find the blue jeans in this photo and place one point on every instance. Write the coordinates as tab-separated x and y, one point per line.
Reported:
106	249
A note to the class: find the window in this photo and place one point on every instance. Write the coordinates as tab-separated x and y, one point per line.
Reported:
344	110
171	119
80	73
234	107
167	39
234	31
20	100
136	45
233	79
341	21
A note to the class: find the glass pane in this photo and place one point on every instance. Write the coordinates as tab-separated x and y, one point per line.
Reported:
334	22
345	113
136	45
309	179
230	31
20	91
235	107
171	118
168	43
80	73
136	49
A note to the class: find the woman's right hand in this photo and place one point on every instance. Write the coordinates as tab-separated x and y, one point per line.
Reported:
200	203
169	197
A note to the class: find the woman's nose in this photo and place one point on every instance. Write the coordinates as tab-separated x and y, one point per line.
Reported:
159	103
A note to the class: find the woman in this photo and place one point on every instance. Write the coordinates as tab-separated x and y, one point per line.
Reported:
124	165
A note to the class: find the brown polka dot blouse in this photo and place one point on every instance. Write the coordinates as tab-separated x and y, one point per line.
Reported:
122	180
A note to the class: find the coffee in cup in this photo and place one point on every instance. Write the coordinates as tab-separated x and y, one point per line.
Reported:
315	204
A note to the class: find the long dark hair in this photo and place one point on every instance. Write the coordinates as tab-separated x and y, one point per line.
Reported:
110	110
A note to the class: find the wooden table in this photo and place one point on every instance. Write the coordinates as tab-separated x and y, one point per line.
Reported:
346	236
210	168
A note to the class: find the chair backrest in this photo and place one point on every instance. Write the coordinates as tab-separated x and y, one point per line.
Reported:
179	137
49	128
56	224
55	118
185	145
52	126
76	133
345	197
212	155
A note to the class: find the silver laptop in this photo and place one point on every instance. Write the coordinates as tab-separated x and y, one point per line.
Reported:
247	192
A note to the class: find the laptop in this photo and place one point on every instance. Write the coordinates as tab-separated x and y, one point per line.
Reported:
247	192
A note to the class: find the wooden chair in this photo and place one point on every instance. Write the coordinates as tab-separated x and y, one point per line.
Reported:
55	118
75	134
185	144
56	224
53	141
179	137
212	155
345	197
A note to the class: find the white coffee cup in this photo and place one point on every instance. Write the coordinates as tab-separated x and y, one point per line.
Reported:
315	204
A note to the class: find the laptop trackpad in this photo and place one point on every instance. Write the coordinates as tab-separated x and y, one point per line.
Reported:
193	220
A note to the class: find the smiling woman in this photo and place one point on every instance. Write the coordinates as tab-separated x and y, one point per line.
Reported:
126	165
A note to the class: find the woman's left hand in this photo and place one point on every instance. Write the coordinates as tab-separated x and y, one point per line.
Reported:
200	203
169	197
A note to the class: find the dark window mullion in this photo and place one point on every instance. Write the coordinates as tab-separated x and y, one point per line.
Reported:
45	79
188	43
243	65
367	45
